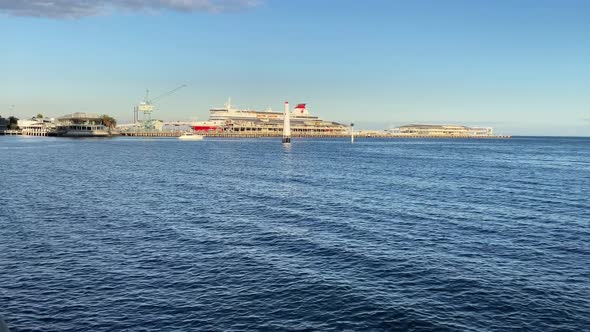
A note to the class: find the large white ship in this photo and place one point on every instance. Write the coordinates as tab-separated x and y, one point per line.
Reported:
231	120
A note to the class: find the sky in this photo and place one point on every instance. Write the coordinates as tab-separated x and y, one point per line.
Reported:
519	66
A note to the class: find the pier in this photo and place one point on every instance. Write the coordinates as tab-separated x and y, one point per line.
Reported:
356	135
42	131
151	133
11	132
265	134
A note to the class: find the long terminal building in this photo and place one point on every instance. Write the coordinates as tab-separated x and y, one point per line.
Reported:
443	131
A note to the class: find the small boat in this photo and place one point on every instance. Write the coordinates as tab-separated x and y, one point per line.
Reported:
188	136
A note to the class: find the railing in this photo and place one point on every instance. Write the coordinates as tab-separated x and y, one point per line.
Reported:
151	133
11	132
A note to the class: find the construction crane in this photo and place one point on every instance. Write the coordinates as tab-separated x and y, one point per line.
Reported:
147	107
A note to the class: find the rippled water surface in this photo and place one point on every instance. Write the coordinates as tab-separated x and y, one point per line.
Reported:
220	235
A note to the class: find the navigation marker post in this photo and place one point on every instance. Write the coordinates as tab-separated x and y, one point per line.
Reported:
352	133
287	125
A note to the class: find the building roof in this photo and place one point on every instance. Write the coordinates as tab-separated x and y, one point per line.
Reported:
428	126
80	115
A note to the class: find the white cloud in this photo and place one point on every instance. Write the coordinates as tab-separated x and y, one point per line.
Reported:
82	8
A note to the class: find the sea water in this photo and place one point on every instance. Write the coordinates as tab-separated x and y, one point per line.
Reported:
237	235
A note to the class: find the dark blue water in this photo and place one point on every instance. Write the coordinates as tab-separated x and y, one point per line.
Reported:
382	235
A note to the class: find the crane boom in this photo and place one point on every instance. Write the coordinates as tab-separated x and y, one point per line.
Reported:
167	93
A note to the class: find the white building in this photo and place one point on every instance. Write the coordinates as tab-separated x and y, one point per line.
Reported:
37	126
82	125
442	130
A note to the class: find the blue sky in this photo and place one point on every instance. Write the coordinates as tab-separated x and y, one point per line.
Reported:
520	66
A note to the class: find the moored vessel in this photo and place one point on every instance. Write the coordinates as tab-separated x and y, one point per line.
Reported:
231	120
188	136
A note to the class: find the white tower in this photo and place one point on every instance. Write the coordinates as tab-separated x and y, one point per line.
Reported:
287	125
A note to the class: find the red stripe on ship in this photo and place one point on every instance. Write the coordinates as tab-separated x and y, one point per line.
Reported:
204	128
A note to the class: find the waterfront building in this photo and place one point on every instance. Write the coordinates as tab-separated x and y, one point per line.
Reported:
37	127
251	122
442	130
82	125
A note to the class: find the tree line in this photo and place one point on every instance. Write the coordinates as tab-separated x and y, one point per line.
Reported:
12	122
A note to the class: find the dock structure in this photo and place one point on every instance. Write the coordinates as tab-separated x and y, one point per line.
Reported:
394	135
296	133
339	135
152	133
269	134
11	132
43	131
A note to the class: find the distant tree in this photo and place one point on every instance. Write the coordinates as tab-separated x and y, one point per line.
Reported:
39	116
12	123
108	121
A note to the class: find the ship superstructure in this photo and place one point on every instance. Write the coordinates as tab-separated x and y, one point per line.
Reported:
231	120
